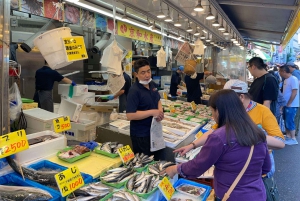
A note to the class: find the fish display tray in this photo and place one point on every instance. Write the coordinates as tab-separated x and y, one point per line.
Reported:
49	165
115	185
105	153
203	197
72	160
17	179
110	196
142	195
141	169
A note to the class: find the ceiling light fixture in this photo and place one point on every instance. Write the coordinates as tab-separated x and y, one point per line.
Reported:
168	18
177	23
199	7
189	29
210	16
226	33
221	28
216	22
196	33
202	36
233	38
160	13
204	31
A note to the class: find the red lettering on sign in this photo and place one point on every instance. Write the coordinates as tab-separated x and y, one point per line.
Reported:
131	32
151	38
145	36
138	34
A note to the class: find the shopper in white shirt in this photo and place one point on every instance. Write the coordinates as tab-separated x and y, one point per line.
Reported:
291	95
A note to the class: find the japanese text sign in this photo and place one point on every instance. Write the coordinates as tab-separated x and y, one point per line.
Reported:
75	48
165	95
166	188
69	180
126	153
12	143
134	32
61	124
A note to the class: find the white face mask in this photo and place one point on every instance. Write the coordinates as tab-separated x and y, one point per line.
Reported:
145	82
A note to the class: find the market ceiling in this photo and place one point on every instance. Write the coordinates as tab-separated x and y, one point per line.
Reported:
258	20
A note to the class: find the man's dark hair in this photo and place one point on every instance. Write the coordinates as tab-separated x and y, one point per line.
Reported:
139	64
275	68
285	68
258	62
234	117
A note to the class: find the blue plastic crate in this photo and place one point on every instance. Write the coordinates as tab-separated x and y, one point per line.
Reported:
18	181
47	164
184	181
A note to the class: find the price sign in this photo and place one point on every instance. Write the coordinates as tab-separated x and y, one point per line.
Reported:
172	109
75	48
165	95
126	153
62	124
193	105
12	143
69	180
166	188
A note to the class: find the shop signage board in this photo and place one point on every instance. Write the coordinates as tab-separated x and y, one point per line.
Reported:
69	180
126	153
134	32
75	48
166	188
12	143
61	124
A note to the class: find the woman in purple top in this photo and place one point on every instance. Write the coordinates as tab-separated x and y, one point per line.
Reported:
228	148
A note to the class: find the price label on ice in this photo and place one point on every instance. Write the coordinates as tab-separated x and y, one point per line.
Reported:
166	188
62	124
12	143
126	153
69	180
193	105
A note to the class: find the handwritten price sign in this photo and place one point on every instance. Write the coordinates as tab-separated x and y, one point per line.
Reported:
69	180
193	105
166	188
13	143
126	153
165	96
62	124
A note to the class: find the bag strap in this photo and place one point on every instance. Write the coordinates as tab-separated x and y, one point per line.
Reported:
237	179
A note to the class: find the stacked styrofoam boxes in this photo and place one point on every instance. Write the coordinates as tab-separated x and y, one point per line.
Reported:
165	80
80	94
70	108
81	130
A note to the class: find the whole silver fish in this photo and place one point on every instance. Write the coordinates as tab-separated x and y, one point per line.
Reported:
18	193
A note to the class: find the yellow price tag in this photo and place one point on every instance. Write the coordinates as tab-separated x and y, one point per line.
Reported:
199	134
165	95
12	143
166	188
126	153
172	109
69	180
193	105
75	48
62	124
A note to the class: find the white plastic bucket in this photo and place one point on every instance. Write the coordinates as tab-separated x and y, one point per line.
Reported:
51	47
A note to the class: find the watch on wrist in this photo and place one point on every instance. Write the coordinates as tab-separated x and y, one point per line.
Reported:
194	146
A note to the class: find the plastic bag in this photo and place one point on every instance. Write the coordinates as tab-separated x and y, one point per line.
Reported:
15	102
156	136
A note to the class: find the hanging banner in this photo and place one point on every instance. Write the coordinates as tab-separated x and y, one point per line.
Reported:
134	32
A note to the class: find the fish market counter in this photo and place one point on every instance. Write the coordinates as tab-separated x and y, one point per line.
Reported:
108	133
93	165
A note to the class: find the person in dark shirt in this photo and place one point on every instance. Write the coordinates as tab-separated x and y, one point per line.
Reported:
175	81
122	94
264	89
192	82
44	81
143	103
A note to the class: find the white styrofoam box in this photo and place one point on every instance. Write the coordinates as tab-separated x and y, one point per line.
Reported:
55	107
92	136
39	119
78	135
42	150
70	108
98	87
90	115
83	125
78	90
86	98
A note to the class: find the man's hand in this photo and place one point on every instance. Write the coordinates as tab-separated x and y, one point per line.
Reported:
159	115
207	73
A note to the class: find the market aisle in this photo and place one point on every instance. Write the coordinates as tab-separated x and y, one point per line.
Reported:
287	174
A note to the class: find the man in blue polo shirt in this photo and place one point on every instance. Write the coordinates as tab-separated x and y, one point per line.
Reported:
143	103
